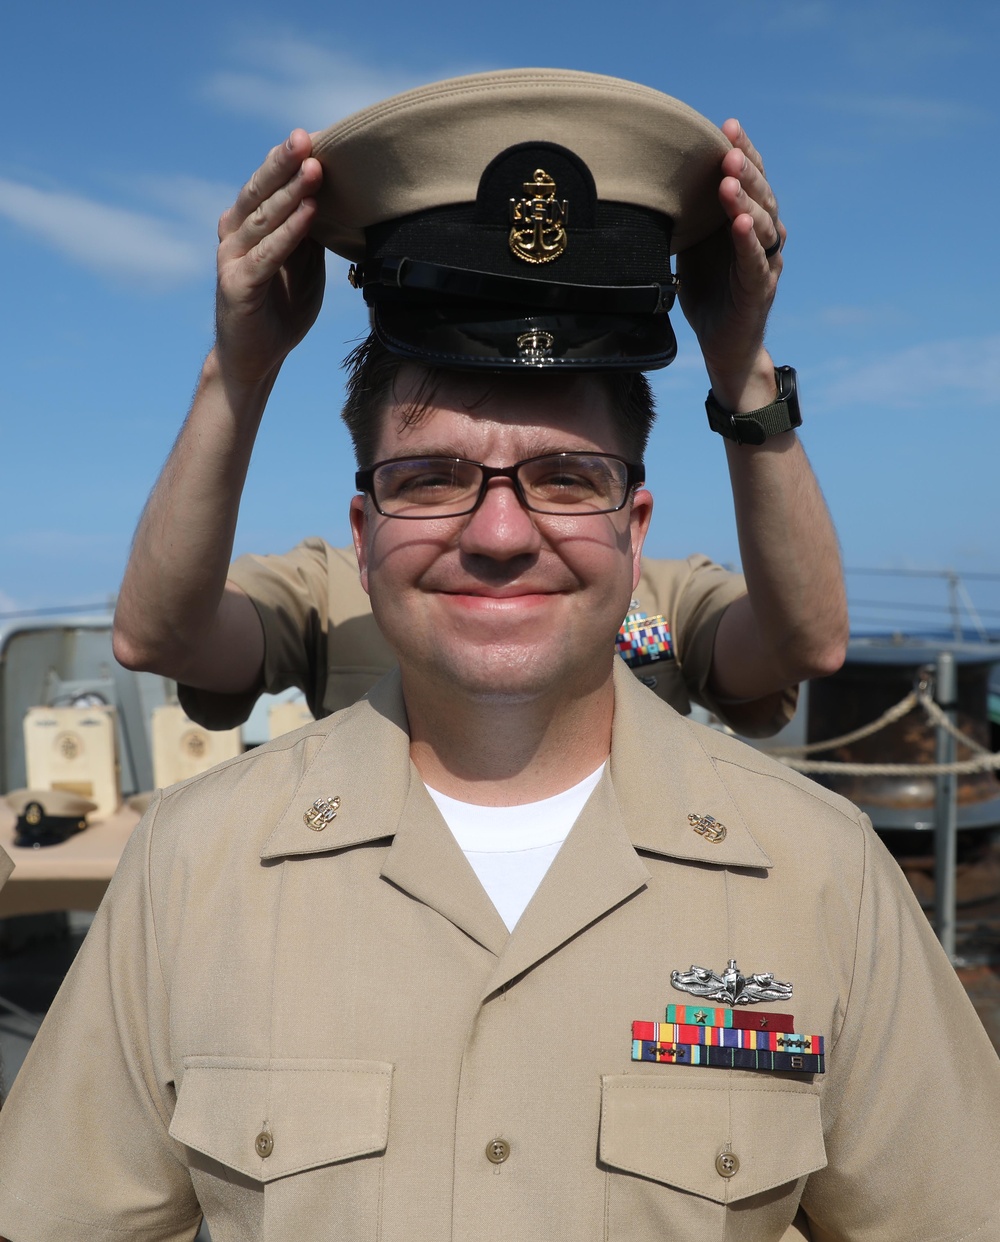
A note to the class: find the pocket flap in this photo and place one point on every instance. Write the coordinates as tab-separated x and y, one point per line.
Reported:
674	1132
313	1112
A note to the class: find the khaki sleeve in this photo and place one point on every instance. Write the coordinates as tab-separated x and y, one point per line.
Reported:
84	1149
693	594
292	594
912	1097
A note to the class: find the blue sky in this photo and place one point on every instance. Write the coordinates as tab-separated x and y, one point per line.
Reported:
127	129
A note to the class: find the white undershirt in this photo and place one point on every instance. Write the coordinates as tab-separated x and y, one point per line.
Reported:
510	847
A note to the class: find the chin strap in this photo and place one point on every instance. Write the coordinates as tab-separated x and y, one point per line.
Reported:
458	282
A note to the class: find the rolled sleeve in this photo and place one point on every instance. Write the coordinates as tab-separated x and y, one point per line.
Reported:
319	634
693	594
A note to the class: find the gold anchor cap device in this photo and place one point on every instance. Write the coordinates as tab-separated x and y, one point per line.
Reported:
524	218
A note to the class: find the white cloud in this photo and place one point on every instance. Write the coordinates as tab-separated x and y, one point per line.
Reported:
111	240
291	81
193	200
954	371
907	115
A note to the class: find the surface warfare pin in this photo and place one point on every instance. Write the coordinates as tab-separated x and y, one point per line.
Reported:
732	987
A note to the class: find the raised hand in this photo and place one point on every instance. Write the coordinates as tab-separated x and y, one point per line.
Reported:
270	272
728	281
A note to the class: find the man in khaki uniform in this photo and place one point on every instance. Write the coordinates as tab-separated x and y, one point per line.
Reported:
319	1003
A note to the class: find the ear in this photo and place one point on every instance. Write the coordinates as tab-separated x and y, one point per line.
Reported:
639	519
359	533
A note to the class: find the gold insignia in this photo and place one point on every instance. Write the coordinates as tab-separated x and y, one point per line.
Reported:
708	827
535	345
69	745
194	744
322	812
33	815
538	221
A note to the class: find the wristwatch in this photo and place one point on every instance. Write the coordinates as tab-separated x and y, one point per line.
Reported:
756	426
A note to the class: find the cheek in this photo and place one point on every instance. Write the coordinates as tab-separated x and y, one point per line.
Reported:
591	546
400	553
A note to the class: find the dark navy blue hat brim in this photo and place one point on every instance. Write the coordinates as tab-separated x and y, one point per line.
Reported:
485	337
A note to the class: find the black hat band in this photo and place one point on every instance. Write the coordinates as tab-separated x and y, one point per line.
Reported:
35	828
414	276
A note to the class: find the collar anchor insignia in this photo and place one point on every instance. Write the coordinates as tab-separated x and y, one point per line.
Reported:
321	813
708	827
731	987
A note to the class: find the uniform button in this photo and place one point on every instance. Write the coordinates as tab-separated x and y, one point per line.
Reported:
263	1144
727	1164
497	1151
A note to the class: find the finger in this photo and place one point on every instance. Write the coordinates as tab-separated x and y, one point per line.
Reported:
736	164
275	210
738	136
262	261
763	210
282	164
755	272
745	163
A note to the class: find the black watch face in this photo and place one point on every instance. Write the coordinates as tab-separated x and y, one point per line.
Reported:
788	392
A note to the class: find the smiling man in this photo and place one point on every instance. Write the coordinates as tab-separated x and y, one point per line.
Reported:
508	951
504	585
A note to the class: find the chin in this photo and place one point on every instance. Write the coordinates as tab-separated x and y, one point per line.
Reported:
499	674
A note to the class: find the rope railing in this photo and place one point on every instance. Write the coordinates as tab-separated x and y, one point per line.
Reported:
983	760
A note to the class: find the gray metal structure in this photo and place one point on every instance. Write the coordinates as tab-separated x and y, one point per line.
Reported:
66	660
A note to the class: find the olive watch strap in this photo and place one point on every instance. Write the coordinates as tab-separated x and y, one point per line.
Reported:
756	426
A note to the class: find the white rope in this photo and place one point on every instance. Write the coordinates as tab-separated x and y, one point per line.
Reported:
981	763
983	759
887	718
941	720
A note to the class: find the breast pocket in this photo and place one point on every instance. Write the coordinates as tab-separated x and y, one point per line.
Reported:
286	1148
725	1160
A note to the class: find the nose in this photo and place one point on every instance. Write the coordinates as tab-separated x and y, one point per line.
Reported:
501	528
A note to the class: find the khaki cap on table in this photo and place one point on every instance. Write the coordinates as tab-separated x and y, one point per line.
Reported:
47	816
521	218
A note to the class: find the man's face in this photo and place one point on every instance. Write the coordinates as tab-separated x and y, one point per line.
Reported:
501	602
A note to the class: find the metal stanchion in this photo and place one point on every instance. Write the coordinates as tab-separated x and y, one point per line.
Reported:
945	808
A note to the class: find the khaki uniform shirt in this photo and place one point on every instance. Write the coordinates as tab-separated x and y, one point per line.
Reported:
319	635
317	1035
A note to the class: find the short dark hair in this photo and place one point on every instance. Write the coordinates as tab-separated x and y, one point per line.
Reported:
371	376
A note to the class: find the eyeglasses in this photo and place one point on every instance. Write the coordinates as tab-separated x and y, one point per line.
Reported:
570	484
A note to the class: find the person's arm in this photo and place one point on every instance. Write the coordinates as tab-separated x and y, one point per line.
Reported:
176	614
792	624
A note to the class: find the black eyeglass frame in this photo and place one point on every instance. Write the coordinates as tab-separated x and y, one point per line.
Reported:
635	476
